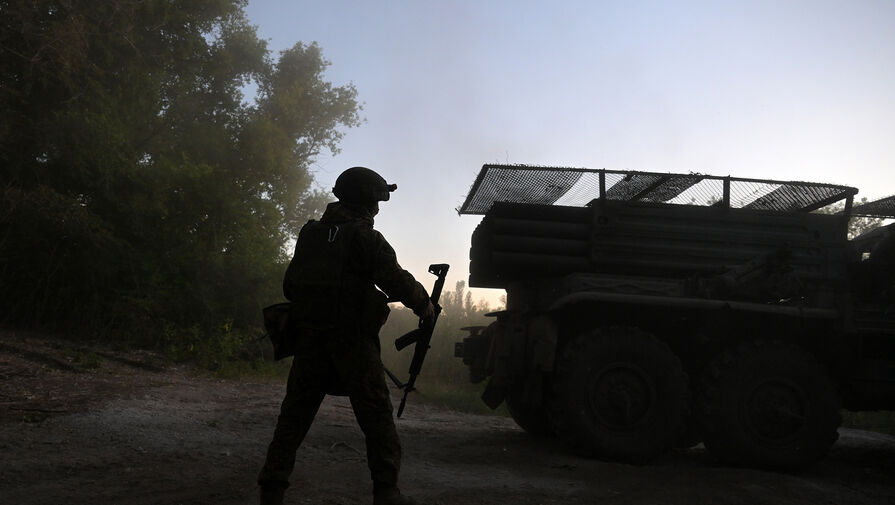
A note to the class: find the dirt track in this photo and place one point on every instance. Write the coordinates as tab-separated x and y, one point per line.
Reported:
134	431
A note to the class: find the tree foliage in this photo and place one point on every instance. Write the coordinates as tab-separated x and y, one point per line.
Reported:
856	224
139	188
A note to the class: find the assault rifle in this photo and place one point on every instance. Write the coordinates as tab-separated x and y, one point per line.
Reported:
420	336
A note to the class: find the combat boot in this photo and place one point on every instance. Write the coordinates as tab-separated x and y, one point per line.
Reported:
392	496
272	494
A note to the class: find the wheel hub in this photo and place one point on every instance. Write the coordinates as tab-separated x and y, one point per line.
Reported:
777	410
621	396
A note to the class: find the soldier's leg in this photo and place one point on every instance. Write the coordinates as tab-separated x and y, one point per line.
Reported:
305	390
372	407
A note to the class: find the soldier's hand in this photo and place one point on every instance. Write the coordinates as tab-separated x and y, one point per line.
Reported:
428	314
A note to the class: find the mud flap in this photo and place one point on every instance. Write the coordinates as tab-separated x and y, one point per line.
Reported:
507	357
494	393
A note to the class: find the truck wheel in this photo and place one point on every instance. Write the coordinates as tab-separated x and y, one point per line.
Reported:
619	394
769	404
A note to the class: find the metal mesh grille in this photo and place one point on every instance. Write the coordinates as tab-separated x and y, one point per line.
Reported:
629	187
671	187
884	207
790	197
586	189
518	184
704	192
741	195
579	186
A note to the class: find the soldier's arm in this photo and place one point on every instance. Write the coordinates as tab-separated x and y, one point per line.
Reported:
291	280
396	282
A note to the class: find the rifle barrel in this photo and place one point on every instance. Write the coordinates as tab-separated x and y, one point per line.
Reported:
422	335
403	403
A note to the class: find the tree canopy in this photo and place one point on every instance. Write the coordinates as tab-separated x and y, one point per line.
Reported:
139	187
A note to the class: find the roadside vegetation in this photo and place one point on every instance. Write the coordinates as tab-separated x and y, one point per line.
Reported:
144	198
444	378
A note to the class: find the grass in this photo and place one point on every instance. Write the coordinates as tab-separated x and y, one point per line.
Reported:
463	397
459	397
88	360
256	369
879	421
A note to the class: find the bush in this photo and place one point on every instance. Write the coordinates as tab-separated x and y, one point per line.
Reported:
880	421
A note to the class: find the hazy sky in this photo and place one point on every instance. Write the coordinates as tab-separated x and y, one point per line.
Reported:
793	90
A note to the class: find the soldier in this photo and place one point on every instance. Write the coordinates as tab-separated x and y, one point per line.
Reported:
336	315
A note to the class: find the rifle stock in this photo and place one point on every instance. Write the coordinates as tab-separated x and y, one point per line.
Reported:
411	337
422	335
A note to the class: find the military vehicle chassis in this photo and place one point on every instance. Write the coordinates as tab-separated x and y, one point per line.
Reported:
647	311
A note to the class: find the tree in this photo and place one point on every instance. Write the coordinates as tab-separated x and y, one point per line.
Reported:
856	224
139	188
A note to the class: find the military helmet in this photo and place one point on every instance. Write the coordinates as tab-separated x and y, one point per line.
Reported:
363	186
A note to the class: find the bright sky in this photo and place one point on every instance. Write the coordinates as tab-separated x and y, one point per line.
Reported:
792	90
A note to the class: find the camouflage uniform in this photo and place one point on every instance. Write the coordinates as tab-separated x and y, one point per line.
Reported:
338	311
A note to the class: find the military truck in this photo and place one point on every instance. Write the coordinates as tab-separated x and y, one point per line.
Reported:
646	311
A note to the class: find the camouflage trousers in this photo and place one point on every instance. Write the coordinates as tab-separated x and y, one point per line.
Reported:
325	366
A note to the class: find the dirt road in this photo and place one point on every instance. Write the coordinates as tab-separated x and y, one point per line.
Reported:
85	427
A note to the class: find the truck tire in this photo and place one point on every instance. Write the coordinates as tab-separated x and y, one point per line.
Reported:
769	405
619	394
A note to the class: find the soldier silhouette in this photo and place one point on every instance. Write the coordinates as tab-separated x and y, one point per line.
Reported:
335	317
